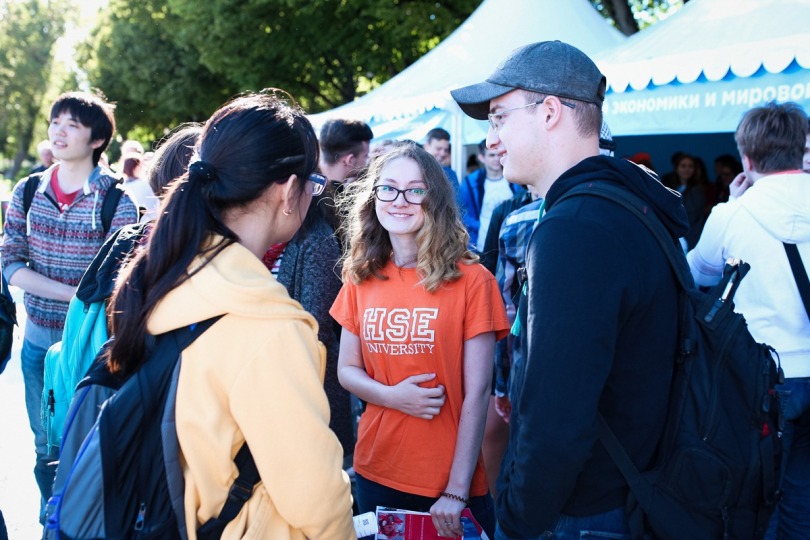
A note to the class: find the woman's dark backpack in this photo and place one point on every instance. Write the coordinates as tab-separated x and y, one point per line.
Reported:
124	480
716	474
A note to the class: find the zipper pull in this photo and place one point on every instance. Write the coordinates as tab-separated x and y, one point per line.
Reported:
139	521
733	272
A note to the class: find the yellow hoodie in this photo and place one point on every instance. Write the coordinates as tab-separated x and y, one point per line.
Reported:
255	375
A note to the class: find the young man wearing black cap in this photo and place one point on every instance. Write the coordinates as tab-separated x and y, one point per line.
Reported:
599	310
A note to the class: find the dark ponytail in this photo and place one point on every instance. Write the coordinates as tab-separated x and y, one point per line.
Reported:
246	145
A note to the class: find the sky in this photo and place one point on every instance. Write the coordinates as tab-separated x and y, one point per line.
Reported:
76	33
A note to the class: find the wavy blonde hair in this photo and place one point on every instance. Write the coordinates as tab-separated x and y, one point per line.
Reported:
442	243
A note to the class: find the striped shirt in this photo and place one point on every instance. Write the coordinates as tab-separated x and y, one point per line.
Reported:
58	244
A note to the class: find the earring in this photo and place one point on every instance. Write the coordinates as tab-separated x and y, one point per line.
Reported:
287	212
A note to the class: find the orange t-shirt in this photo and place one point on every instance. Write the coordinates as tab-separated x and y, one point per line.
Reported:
404	330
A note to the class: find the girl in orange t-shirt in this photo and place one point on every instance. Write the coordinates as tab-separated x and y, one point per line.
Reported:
420	319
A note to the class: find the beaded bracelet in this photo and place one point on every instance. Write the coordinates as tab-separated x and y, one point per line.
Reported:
455	497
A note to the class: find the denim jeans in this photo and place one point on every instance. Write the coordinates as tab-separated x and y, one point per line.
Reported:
612	525
33	365
370	495
792	517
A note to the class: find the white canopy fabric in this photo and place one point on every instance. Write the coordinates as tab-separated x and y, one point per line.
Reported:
418	99
702	68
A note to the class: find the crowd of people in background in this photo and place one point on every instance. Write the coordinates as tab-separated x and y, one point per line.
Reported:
388	334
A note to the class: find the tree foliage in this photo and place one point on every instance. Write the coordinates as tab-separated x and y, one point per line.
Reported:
170	61
320	50
165	62
156	83
630	16
28	31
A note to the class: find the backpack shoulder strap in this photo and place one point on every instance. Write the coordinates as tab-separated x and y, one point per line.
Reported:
242	487
639	486
30	190
647	216
110	204
799	274
240	492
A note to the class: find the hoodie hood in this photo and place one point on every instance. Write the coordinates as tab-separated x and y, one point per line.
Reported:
100	178
98	281
235	282
780	203
643	183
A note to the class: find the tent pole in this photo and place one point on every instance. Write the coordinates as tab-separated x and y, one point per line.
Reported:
458	159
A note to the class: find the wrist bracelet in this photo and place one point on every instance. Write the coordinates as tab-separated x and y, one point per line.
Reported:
455	497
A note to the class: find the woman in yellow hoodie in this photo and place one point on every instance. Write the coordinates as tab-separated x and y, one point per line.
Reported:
255	375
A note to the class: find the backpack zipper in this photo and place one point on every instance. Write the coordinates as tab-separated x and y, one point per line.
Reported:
732	331
139	521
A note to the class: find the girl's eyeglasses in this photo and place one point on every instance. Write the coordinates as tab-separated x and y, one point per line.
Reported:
389	194
316	183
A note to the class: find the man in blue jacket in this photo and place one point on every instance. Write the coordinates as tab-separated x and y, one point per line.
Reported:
481	192
599	311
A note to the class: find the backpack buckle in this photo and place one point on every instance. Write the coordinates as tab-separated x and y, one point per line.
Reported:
240	491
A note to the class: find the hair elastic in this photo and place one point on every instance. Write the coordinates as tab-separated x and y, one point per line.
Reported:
204	170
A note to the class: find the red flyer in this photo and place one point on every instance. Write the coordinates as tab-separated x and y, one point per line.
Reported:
396	524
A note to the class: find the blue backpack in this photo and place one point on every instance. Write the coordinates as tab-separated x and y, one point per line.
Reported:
67	361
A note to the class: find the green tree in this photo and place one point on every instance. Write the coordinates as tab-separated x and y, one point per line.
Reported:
156	83
319	50
28	31
171	61
630	16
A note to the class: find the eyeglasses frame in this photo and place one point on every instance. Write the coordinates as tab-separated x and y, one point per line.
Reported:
319	183
402	192
501	114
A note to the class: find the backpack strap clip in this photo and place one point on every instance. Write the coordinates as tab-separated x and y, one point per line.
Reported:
240	491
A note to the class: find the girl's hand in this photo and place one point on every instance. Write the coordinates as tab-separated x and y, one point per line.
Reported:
410	398
503	407
446	515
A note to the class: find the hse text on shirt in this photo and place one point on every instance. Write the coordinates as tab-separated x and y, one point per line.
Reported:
400	330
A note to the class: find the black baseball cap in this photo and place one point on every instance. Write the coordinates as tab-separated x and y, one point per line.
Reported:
548	67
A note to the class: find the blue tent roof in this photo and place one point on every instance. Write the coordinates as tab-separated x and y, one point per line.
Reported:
702	68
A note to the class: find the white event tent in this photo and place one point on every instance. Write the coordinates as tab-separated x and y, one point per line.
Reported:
418	99
702	68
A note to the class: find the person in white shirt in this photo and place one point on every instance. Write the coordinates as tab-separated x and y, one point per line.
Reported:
769	207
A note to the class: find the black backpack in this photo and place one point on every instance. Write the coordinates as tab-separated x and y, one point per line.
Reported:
716	473
108	206
8	319
124	479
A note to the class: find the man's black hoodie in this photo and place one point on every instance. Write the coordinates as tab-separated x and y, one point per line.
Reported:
599	322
